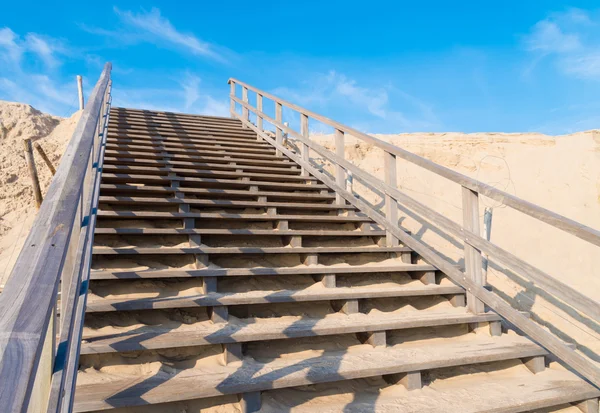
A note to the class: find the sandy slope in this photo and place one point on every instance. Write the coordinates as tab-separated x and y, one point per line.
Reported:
17	205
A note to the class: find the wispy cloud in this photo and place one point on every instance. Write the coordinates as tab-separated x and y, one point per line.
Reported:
10	49
152	27
564	37
381	107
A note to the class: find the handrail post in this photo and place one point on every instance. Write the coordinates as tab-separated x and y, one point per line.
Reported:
245	112
391	205
278	131
340	172
304	148
259	107
473	260
231	101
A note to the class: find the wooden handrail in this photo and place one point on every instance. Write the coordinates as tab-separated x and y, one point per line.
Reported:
556	220
53	254
560	290
565	293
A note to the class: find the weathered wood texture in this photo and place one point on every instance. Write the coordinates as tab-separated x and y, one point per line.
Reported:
578	362
30	295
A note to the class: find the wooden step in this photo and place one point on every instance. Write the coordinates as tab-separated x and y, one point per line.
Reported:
188	142
196	182
212	192
265	297
133	122
233	250
189	149
198	133
205	173
120	111
221	203
198	165
205	140
197	383
274	271
212	159
246	330
551	391
241	232
234	217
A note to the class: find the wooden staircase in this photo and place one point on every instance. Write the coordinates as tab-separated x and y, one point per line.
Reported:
225	278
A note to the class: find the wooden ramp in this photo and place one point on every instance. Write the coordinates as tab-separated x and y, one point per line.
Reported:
227	278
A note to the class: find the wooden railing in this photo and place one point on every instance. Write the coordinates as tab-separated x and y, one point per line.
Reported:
469	232
40	329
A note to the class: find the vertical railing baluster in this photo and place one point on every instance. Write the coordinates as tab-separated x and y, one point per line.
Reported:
473	260
245	112
391	205
231	101
259	119
278	131
305	151
340	172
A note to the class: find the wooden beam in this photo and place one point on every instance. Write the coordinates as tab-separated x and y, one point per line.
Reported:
473	264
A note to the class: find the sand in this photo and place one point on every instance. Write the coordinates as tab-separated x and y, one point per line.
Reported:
17	204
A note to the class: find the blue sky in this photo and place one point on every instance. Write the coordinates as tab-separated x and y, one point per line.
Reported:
382	67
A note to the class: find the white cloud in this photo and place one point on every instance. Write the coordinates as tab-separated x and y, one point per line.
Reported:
44	48
191	89
564	38
548	37
12	51
381	103
153	27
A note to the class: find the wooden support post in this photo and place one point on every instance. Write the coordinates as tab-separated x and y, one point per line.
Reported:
245	112
195	240
219	314
278	131
311	259
201	260
295	241
38	147
35	182
406	257
271	211
495	328
340	173
231	101
80	91
328	280
487	234
283	225
209	285
588	406
391	205
427	278
346	306
232	353
411	380
535	364
470	200
458	300
250	402
304	149
374	338
259	119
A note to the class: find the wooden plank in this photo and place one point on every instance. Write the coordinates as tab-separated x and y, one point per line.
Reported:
391	205
206	173
191	384
212	192
258	271
272	329
205	140
473	260
578	362
304	149
238	232
216	203
241	217
236	250
116	112
266	297
191	143
29	296
568	225
166	180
